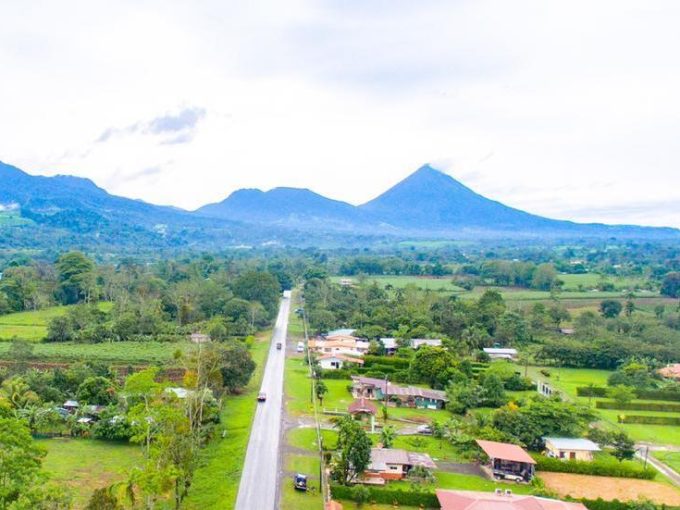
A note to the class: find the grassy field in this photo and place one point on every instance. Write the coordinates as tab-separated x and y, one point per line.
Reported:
216	481
568	379
32	326
117	352
84	464
672	459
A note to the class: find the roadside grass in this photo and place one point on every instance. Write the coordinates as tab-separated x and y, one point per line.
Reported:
672	459
297	385
32	326
298	500
447	480
568	379
84	465
133	353
216	480
305	438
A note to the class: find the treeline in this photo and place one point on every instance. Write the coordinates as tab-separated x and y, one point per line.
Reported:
160	301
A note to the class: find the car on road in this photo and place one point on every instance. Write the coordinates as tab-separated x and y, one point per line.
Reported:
262	396
278	345
300	482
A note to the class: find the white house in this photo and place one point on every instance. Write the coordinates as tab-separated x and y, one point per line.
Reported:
501	353
337	361
429	342
568	448
390	345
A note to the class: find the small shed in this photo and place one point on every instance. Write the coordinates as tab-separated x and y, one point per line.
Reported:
508	461
501	353
199	338
71	406
568	448
361	409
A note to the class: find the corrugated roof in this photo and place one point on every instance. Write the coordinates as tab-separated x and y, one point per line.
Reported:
362	406
505	451
470	500
380	457
402	391
572	443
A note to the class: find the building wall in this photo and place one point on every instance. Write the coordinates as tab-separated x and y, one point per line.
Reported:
567	454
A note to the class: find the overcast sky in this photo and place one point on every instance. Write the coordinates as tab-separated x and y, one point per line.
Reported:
569	109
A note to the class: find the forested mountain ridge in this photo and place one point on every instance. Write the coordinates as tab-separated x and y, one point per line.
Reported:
66	211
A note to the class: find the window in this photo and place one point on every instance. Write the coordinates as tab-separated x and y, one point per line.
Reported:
561	455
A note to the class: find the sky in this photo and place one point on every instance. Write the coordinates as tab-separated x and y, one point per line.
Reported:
565	109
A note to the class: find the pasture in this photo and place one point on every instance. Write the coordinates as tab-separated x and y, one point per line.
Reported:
32	325
84	465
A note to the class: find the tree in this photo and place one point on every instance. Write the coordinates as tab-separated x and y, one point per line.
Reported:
20	460
77	279
558	314
544	277
670	286
610	308
321	389
354	450
97	391
493	393
387	436
103	499
259	286
624	446
59	329
431	365
621	394
237	365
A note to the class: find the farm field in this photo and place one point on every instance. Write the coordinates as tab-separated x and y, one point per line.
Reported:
568	379
623	489
117	352
87	464
32	326
216	480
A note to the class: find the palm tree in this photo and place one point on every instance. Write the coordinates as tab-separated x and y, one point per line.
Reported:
387	436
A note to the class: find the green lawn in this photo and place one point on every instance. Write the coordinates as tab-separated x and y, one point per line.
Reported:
444	284
85	464
568	379
446	480
439	450
32	326
672	459
297	385
305	438
216	481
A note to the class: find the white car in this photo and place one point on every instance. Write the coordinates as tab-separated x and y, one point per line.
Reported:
300	347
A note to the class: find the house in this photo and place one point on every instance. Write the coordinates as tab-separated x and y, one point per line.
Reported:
339	344
499	500
568	448
390	345
337	361
671	371
199	338
429	342
363	409
393	464
501	353
507	461
409	396
71	406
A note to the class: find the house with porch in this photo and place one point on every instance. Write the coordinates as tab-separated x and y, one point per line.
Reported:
339	344
507	461
393	394
393	464
338	361
501	500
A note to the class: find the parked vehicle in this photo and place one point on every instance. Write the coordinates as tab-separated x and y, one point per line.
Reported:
278	345
300	482
426	430
300	347
262	396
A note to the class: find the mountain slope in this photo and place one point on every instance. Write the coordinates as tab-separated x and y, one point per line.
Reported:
288	206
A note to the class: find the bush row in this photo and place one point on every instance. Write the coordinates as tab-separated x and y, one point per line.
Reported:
626	469
389	497
600	391
393	361
600	504
664	407
649	420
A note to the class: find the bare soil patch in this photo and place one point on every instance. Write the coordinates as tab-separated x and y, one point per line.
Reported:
623	489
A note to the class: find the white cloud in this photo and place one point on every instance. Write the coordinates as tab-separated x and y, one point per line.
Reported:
567	109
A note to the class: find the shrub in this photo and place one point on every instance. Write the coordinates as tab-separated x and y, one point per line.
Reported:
591	391
649	420
598	467
389	496
392	361
663	407
600	391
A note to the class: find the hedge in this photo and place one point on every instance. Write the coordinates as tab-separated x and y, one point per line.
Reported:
600	391
389	497
664	407
386	360
648	420
600	504
596	467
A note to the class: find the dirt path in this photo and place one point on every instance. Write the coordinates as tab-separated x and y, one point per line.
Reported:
624	489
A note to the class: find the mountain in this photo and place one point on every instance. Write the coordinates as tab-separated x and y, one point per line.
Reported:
431	201
292	207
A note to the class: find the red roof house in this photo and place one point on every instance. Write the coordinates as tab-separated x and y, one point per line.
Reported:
500	500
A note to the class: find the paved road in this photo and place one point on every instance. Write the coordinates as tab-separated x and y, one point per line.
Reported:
259	481
642	452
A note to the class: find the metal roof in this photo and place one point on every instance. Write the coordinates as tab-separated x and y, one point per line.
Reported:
505	451
572	443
